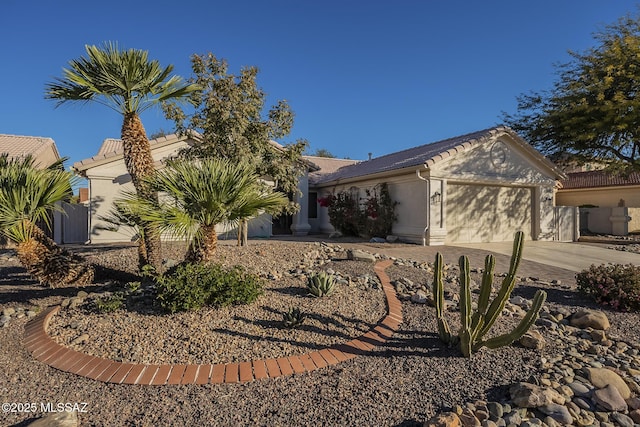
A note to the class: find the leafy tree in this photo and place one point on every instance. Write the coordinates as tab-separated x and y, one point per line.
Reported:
129	83
323	152
593	110
202	194
229	114
27	197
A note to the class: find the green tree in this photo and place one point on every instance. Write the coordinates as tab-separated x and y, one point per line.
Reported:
202	194
28	196
323	152
593	110
229	114
129	83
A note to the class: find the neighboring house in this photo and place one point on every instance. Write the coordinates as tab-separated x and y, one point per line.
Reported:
43	150
610	204
108	178
599	188
44	153
480	187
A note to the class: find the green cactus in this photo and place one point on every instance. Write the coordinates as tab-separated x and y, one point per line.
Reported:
321	284
474	326
293	318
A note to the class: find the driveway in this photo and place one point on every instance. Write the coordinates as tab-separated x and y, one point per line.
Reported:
570	256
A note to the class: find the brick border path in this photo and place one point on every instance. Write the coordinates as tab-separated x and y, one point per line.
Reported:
46	350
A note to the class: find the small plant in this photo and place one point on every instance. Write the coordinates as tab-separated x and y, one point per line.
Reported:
321	284
109	303
474	326
190	286
614	285
293	318
133	286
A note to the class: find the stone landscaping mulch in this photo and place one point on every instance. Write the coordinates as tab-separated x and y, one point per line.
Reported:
579	373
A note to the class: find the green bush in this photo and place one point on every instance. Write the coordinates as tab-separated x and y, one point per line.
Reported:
615	285
190	286
109	303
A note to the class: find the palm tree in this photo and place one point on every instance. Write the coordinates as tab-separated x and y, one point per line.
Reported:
202	194
27	197
129	83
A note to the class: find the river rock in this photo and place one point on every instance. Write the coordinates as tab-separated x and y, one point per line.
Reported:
590	319
445	419
622	420
609	399
526	395
358	255
601	377
468	419
557	412
532	339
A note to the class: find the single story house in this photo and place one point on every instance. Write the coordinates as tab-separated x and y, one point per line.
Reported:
43	150
609	203
599	188
478	187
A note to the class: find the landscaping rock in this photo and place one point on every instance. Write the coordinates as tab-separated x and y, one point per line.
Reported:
445	419
622	420
557	412
609	399
420	297
526	395
602	377
532	339
358	255
57	419
590	319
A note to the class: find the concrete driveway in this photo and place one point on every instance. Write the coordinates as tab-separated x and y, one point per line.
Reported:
570	256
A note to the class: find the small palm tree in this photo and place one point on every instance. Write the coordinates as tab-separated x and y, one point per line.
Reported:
202	194
27	198
129	83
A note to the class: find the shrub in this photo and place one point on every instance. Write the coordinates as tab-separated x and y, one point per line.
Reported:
109	303
615	285
190	286
372	216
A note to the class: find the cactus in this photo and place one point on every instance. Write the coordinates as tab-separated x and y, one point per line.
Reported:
474	326
321	284
293	318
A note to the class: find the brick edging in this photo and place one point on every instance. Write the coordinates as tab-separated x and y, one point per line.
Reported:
46	350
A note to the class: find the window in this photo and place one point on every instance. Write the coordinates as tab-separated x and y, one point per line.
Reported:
313	204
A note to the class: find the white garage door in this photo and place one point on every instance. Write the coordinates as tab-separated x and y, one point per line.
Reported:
478	213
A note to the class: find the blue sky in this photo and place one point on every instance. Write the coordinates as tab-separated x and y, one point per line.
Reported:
362	76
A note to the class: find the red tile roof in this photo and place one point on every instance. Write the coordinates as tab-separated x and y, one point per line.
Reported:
594	179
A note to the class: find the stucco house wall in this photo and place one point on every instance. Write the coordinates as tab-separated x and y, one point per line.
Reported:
599	188
108	179
479	187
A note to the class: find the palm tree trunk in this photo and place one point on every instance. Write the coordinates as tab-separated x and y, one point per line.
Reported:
204	249
139	162
49	263
243	232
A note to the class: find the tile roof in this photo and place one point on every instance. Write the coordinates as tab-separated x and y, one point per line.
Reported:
326	165
19	145
599	178
427	154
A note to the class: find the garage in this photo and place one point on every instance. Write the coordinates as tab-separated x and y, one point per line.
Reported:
483	213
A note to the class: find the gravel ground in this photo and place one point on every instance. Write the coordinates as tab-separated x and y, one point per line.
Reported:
401	383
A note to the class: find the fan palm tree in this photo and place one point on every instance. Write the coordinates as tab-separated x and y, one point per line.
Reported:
201	195
129	83
27	197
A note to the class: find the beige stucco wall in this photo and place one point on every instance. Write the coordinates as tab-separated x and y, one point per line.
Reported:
108	181
406	189
602	197
518	194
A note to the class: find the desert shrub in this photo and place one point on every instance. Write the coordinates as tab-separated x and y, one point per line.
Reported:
372	216
614	285
109	303
190	286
